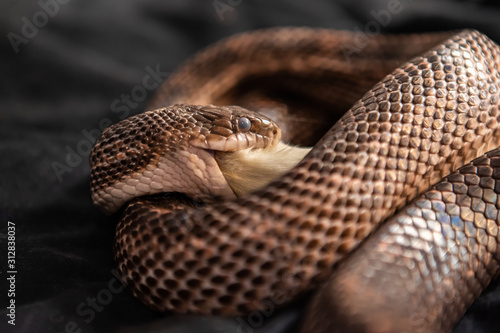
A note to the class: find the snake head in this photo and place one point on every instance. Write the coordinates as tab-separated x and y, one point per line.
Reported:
232	128
173	150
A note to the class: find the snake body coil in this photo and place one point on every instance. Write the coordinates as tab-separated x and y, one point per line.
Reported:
421	122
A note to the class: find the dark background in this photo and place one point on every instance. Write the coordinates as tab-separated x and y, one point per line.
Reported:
63	80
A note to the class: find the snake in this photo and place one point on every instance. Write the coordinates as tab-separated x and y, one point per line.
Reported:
286	161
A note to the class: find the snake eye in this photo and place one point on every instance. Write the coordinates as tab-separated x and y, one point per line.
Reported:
244	124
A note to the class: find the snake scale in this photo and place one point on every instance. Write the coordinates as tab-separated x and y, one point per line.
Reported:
420	108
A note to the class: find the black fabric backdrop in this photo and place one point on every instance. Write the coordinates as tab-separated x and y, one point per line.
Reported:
59	82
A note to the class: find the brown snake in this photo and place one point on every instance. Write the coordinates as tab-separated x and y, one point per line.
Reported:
424	120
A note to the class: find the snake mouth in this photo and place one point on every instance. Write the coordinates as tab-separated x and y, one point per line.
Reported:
247	161
243	170
192	172
237	141
249	169
211	152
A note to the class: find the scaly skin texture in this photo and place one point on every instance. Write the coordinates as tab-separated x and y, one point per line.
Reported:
421	270
428	117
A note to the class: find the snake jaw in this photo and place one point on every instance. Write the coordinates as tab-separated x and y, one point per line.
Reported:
199	178
236	142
